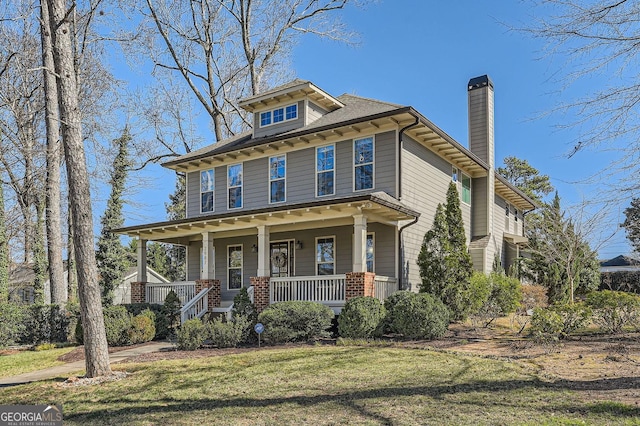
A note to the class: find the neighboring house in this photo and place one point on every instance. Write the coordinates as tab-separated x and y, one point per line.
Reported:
330	197
620	264
21	279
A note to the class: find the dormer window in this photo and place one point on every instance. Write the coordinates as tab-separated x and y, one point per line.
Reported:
278	115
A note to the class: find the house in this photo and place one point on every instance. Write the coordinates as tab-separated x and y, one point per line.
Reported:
620	264
21	279
622	273
328	198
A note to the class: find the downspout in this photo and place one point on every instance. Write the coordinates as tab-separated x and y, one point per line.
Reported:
413	222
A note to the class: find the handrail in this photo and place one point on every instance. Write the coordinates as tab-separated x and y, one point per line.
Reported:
196	307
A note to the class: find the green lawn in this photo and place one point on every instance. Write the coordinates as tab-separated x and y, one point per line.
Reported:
326	385
27	361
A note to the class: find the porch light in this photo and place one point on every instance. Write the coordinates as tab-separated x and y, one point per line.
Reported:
254	248
298	245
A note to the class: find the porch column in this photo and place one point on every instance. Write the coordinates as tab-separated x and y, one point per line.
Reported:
142	260
208	261
359	243
264	269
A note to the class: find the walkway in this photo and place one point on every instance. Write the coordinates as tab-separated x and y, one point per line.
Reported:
65	370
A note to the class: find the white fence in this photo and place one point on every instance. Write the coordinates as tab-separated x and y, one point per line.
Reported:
384	287
156	292
327	289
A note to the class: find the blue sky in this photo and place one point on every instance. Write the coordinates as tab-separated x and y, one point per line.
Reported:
423	53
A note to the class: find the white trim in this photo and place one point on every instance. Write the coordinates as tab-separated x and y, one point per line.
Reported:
315	255
213	192
292	248
241	267
284	115
270	180
241	164
455	174
373	163
335	159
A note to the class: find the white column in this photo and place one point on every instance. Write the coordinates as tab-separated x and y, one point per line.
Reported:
359	243
142	260
264	269
207	256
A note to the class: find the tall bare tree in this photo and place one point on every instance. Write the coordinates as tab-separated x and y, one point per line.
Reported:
95	342
57	282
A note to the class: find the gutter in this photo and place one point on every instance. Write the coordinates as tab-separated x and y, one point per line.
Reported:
400	257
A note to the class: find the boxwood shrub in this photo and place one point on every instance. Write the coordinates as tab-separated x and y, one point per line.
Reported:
295	321
228	334
160	320
361	318
418	315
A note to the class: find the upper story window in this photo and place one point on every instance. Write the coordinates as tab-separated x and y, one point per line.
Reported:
234	186
325	165
207	187
363	163
277	178
278	115
325	256
466	189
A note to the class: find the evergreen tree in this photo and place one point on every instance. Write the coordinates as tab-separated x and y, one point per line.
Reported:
111	255
632	223
4	251
526	178
444	261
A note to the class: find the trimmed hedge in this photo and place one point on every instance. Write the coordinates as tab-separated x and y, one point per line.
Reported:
418	315
12	323
46	324
122	328
295	321
191	335
228	334
161	321
142	327
361	318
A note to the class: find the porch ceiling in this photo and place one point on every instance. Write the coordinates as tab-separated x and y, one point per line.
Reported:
377	207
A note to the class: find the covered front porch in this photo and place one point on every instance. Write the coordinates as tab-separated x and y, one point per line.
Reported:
323	252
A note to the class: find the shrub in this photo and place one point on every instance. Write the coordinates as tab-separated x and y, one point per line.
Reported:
546	325
503	295
390	305
45	324
574	316
533	296
419	316
242	306
12	323
361	318
117	322
295	321
230	333
191	335
142	327
171	310
44	347
480	290
614	310
160	321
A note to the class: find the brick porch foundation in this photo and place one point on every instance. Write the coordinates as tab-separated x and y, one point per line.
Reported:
359	284
138	292
260	292
214	296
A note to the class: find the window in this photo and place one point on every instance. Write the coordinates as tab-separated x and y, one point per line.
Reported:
234	263
325	256
292	112
265	118
324	170
279	115
370	252
206	191
277	178
515	214
454	174
234	186
466	189
363	163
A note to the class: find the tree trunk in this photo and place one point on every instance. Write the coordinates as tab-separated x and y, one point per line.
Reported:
4	252
95	340
72	275
54	231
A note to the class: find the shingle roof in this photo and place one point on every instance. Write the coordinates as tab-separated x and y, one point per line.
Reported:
621	261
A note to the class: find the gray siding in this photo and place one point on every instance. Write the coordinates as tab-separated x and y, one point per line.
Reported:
193	194
386	158
497	243
301	176
425	180
193	261
255	183
314	112
284	126
479	207
481	138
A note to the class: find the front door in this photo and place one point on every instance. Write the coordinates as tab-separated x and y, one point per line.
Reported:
282	259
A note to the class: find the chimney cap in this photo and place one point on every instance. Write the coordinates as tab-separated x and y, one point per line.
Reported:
479	82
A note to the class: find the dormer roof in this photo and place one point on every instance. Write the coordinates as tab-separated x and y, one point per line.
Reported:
294	90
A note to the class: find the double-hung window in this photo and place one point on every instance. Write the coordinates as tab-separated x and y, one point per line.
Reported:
234	186
207	187
466	189
363	163
277	178
234	267
325	170
325	256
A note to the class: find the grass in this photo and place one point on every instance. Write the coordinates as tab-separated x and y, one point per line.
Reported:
326	385
27	361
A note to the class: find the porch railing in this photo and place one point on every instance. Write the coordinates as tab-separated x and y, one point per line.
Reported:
195	307
327	289
384	287
157	292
